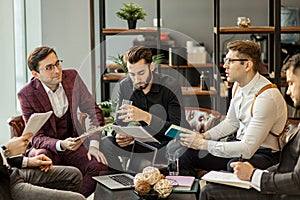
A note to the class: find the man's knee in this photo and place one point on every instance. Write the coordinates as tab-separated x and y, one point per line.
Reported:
34	152
94	168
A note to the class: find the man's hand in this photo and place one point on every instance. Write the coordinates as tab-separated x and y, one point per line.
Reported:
193	140
131	113
41	161
123	140
243	170
71	144
93	151
17	145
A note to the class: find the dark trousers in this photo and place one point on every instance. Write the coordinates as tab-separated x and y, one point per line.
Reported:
78	159
214	191
142	156
5	193
193	159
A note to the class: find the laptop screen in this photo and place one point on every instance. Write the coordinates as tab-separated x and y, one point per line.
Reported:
145	157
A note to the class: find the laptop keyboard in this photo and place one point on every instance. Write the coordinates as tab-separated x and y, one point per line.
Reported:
124	180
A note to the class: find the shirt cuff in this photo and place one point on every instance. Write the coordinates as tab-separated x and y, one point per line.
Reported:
58	147
4	160
256	178
94	143
25	162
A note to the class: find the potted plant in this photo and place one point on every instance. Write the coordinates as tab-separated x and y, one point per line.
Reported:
119	60
131	12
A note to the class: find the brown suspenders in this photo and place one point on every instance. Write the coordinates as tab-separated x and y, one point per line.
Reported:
252	105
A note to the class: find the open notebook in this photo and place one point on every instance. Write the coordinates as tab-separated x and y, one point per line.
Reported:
136	165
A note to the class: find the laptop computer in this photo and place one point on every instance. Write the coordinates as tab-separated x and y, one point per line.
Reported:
137	162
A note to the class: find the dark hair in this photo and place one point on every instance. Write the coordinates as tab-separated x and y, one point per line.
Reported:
38	54
136	53
293	61
246	48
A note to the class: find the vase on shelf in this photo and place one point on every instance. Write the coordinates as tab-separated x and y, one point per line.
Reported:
131	24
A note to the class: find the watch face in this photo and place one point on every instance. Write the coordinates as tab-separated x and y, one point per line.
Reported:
5	151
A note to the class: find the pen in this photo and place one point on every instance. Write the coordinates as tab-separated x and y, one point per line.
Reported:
241	158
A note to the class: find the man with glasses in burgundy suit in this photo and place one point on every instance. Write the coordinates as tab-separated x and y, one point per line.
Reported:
64	93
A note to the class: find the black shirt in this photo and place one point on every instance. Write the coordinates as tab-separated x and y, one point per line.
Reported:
164	101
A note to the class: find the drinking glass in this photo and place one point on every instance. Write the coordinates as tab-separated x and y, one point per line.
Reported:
126	102
173	164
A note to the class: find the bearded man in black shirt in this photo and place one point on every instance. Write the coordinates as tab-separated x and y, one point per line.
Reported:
157	101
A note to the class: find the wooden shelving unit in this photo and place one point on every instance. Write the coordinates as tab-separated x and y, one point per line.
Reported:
127	31
273	30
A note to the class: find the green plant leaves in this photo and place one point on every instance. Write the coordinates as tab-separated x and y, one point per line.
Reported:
131	12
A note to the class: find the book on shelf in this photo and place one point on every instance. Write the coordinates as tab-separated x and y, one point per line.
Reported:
173	131
226	178
181	183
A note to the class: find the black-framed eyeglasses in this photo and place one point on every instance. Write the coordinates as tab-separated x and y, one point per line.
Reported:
229	60
51	67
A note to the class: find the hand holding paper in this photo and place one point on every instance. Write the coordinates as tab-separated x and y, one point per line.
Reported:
92	131
35	122
123	140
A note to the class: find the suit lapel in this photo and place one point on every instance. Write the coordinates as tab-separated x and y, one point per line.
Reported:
290	136
68	87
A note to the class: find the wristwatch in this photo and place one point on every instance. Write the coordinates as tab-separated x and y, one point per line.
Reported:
5	151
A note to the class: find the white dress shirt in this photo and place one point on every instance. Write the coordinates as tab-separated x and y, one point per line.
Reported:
269	115
59	103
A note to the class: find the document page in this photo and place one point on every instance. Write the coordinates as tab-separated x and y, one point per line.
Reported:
137	132
92	131
35	122
226	178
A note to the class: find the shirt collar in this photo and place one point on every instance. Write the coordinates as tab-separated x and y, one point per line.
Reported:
48	90
247	88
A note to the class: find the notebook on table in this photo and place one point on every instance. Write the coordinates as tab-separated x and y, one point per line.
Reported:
125	180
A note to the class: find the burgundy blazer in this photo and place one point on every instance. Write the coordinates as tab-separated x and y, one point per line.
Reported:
34	99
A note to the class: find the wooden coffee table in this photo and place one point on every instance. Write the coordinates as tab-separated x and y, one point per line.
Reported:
103	193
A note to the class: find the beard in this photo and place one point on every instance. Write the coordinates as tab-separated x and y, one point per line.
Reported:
145	84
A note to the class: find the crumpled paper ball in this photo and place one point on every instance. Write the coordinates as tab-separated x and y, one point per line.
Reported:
163	187
139	177
151	174
142	187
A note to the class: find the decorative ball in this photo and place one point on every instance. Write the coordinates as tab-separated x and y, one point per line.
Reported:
163	187
142	187
151	174
138	177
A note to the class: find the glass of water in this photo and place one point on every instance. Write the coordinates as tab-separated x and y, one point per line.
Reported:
173	164
126	102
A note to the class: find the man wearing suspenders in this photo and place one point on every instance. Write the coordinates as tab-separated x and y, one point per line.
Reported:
279	181
256	110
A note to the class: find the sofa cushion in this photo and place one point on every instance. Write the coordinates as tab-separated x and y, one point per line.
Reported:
202	119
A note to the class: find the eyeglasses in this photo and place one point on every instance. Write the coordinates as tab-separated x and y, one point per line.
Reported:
230	60
51	67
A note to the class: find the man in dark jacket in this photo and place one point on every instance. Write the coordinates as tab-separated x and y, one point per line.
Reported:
281	181
43	181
